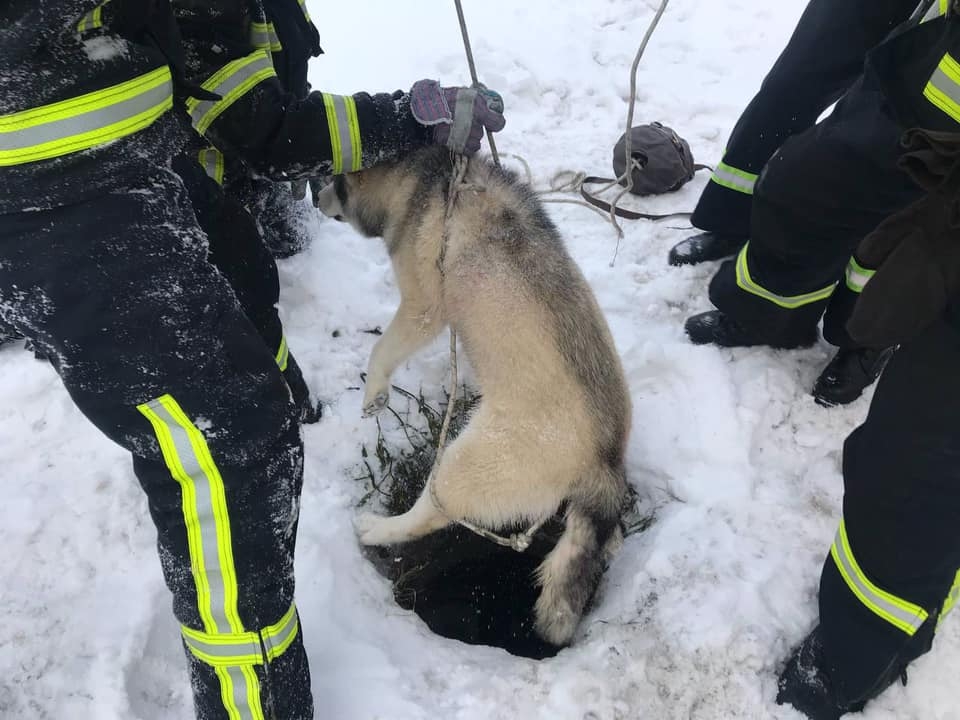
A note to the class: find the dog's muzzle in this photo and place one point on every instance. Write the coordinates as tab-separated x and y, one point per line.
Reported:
329	203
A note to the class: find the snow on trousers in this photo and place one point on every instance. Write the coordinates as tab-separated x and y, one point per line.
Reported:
238	250
154	348
822	59
892	573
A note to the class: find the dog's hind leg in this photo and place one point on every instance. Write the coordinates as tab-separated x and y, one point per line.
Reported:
415	324
422	519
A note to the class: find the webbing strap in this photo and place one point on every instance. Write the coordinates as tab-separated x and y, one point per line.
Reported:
85	121
898	612
623	212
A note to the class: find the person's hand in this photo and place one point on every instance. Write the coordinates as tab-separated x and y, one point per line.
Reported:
458	115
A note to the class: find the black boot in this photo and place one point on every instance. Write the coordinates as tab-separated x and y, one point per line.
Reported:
310	410
718	328
849	374
806	685
705	246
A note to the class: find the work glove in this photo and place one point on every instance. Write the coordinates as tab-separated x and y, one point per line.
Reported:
458	115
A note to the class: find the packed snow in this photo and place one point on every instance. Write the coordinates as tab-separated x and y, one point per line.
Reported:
696	614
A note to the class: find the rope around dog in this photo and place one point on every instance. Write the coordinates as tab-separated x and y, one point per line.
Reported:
561	182
518	541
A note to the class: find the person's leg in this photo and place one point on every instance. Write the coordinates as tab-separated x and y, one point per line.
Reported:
822	59
822	192
153	347
239	252
892	571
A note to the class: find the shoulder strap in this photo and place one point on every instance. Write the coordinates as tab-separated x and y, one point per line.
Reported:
623	212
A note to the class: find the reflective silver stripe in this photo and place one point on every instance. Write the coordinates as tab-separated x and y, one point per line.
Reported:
943	88
790	302
264	36
279	642
898	612
344	130
936	10
734	178
230	83
857	276
240	692
243	648
203	506
211	160
86	121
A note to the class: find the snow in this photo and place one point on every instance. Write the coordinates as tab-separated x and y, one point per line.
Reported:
696	614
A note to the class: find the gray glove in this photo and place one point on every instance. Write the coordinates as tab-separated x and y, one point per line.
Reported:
458	115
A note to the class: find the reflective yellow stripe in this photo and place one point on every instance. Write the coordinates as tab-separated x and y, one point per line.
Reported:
263	36
344	128
283	354
303	6
790	302
226	649
951	599
231	82
898	612
211	160
734	178
857	276
86	121
92	20
943	89
209	540
188	458
938	9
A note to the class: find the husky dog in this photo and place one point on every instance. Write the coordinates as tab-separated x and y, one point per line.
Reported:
551	429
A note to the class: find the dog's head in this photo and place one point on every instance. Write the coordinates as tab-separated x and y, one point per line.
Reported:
379	197
359	198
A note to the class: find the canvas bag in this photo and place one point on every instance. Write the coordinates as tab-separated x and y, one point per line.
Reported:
662	163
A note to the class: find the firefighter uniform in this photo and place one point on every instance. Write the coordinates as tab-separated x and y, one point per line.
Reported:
104	267
287	32
818	196
822	59
892	573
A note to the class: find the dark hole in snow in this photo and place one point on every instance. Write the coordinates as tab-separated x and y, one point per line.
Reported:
467	588
463	586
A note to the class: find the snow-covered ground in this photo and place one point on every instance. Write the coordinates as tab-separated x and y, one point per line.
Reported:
695	614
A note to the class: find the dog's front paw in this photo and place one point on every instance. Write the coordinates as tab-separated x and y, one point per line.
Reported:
371	529
374	403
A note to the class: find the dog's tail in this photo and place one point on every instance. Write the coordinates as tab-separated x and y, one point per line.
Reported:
569	575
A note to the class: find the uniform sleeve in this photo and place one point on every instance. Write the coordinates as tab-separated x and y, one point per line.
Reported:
285	138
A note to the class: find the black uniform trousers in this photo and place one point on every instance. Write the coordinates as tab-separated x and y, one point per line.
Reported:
892	572
822	59
238	250
823	191
828	187
155	349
